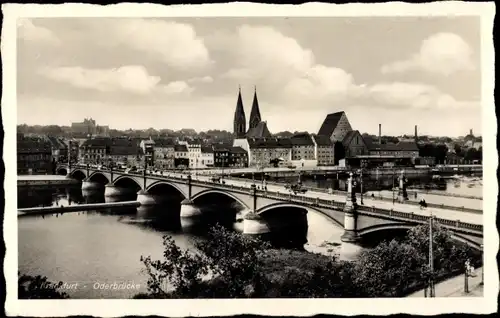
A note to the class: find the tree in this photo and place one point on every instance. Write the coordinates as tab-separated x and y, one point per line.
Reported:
396	268
230	259
38	287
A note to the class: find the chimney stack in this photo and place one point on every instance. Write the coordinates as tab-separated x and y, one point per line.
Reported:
379	134
416	135
471	133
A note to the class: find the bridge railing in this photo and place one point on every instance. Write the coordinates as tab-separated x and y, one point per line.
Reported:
422	218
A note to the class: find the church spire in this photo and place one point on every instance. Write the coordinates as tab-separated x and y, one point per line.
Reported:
255	118
239	123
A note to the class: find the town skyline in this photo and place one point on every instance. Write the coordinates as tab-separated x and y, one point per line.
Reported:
417	71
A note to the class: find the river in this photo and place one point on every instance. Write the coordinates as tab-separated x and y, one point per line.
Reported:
98	247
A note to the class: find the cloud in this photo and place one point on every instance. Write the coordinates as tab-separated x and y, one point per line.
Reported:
131	78
281	64
175	44
414	95
441	53
204	79
37	34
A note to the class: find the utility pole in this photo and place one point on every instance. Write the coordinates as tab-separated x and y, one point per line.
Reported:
392	187
482	266
431	258
361	185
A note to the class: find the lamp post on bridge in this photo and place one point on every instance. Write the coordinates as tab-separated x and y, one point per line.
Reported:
482	266
431	257
393	176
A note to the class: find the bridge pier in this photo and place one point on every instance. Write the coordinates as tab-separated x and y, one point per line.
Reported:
145	198
253	224
89	185
189	209
111	190
190	214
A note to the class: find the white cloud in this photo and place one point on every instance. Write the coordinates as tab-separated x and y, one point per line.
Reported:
415	95
267	56
442	53
130	78
204	79
176	44
32	33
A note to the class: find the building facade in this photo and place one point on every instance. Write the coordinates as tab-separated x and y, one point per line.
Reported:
95	151
323	150
354	144
34	156
59	149
303	152
238	158
164	152
126	152
194	151
181	160
263	150
207	157
221	155
148	148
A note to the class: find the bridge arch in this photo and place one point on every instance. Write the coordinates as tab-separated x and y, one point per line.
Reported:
126	182
228	194
62	171
467	241
408	226
98	177
296	205
165	183
78	174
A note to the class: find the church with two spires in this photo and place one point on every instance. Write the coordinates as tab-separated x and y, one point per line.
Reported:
256	127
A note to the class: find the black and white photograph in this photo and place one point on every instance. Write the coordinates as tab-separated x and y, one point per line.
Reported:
194	155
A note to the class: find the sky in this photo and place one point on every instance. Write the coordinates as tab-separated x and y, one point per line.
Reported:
185	72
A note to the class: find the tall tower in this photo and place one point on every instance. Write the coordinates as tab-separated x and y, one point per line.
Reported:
416	136
240	121
255	118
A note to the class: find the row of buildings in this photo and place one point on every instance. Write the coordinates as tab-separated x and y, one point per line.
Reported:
39	153
335	140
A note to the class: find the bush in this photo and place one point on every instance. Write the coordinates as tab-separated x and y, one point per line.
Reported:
231	265
38	287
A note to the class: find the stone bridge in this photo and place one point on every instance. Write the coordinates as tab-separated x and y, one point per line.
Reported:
356	220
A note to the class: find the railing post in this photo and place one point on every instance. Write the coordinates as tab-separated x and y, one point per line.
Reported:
189	186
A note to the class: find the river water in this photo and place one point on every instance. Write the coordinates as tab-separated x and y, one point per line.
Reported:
104	247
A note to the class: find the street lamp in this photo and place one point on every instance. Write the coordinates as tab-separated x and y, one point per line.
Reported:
393	176
361	184
482	266
431	258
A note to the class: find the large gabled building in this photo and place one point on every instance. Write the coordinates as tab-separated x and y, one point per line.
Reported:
336	126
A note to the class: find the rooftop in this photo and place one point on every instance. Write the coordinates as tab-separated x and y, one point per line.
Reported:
269	142
260	131
330	123
180	148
